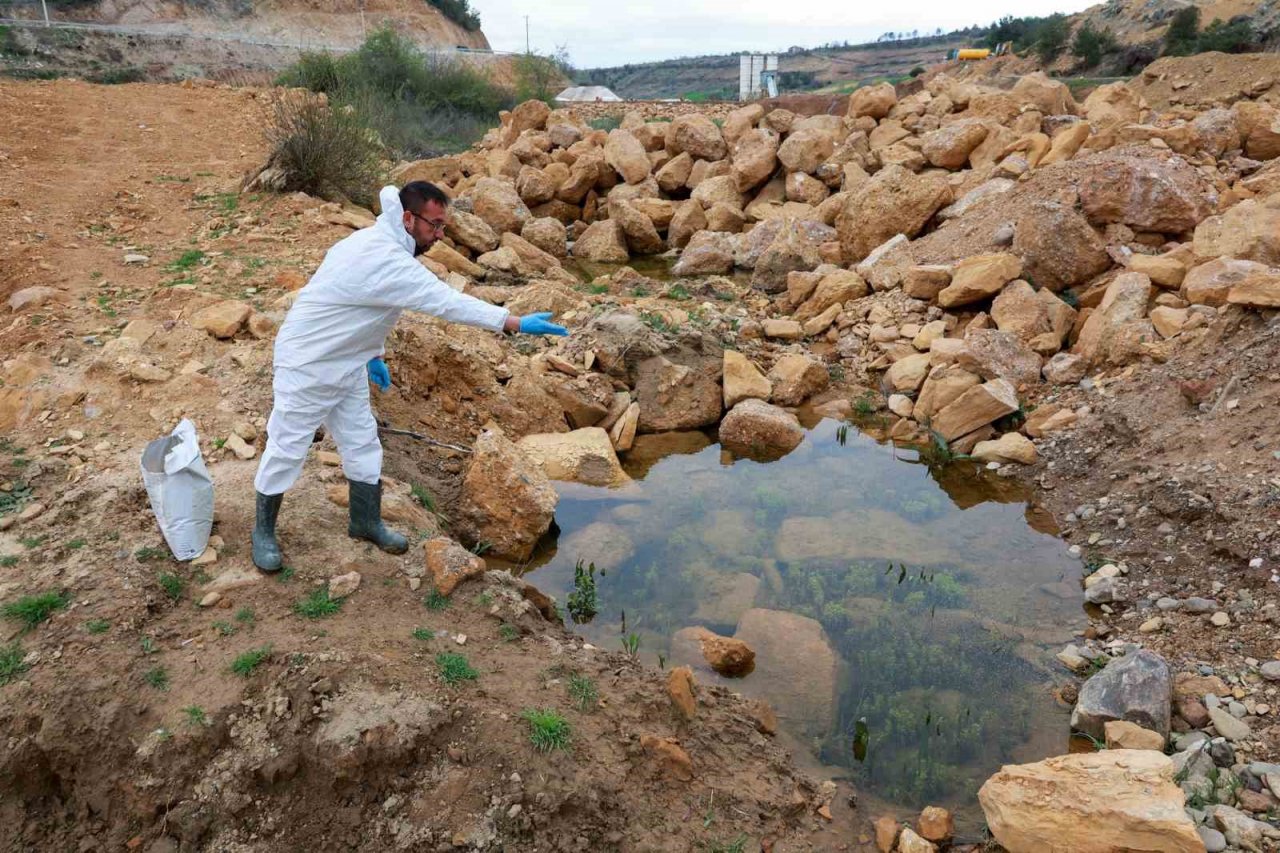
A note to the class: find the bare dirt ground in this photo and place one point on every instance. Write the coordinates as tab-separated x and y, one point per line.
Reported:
128	726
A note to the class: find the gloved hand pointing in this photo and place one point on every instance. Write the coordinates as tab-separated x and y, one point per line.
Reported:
378	373
537	324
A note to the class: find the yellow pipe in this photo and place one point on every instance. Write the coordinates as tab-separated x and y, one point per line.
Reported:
973	53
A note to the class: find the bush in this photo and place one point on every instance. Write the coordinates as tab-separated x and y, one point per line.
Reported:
1090	44
1235	37
1180	38
1052	38
418	106
460	12
324	150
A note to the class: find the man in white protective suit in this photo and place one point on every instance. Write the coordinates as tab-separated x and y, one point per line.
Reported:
334	335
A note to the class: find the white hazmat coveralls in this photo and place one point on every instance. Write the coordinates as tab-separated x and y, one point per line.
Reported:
339	322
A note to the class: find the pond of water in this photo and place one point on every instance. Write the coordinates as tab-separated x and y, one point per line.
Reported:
924	600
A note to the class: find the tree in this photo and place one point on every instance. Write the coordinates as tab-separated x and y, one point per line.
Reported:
1184	28
1235	37
1052	38
1091	44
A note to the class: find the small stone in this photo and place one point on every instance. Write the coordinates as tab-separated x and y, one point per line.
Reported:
935	824
1199	605
343	585
211	599
208	558
239	447
134	258
1270	670
887	829
1220	619
30	512
1214	841
329	458
1228	726
1151	626
1122	734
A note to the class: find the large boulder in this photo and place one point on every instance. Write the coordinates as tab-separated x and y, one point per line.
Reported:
530	115
1250	231
675	396
949	146
979	277
707	253
626	155
834	288
582	456
974	408
1124	305
506	499
698	136
996	354
873	101
1103	802
1212	283
1017	309
641	236
757	430
675	174
792	250
687	220
1146	193
604	241
797	377
755	157
1137	688
743	380
1050	97
1112	104
499	205
1058	246
547	234
806	149
894	201
535	186
796	669
467	229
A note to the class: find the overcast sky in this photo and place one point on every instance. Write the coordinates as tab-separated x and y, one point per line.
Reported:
614	33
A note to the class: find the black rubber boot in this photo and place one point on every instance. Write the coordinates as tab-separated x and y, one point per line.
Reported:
366	518
266	550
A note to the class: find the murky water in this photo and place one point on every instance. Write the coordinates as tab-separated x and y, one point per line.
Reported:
927	601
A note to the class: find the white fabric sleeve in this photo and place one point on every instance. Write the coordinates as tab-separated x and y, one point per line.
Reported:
418	289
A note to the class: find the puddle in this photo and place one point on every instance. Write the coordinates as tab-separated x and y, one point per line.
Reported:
926	601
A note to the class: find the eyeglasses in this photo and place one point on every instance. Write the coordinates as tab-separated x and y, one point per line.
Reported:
437	227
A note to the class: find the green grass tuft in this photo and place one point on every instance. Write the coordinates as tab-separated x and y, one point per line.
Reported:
548	729
157	677
454	668
583	691
423	634
97	626
508	632
245	664
31	610
436	601
187	260
318	604
173	585
12	664
196	715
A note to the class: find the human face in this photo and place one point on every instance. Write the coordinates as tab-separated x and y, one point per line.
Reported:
426	225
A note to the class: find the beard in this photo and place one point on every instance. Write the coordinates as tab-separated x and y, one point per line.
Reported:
420	248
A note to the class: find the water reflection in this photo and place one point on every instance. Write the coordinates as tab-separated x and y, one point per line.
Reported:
923	600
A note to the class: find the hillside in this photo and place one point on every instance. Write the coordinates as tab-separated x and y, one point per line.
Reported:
1135	22
717	76
117	40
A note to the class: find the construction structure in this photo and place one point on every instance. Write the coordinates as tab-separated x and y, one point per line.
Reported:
757	76
587	94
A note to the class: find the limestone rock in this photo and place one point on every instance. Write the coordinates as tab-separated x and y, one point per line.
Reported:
669	757
687	220
1137	688
755	157
604	241
680	689
547	234
796	668
796	378
675	397
833	289
949	146
1250	231
976	407
792	250
873	101
1112	104
935	824
449	563
1211	283
1122	734
909	842
1010	447
887	830
806	149
697	135
506	499
743	380
623	431
467	229
499	205
675	174
583	456
893	201
1145	193
943	385
925	282
1019	310
908	374
342	586
729	657
626	155
1090	803
707	253
222	319
757	430
640	234
993	354
1124	304
979	277
1058	246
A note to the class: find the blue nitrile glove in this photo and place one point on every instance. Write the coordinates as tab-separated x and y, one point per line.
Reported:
536	324
378	373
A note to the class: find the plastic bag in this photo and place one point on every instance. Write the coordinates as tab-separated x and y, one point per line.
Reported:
180	489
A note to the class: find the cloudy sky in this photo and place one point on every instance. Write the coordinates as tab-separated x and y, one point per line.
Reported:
613	33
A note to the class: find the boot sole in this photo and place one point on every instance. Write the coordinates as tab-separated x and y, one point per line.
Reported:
404	550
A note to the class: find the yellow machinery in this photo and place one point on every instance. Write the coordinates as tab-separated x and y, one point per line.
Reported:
973	53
